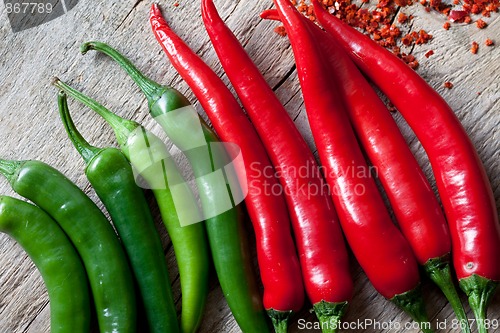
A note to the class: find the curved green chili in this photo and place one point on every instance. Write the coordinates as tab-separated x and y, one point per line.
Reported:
111	176
178	208
206	154
91	234
56	259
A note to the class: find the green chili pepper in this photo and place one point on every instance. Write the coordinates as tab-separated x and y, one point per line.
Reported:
111	175
56	259
209	161
91	234
178	208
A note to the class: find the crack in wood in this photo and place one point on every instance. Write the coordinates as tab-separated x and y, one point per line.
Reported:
231	12
301	108
438	312
40	310
284	78
167	248
398	9
128	14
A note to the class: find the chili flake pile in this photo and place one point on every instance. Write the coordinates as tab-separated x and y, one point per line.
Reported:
380	23
377	23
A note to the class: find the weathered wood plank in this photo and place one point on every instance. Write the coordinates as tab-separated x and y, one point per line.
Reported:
30	127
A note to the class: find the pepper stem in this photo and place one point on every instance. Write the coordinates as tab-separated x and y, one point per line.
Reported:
439	271
9	169
151	89
123	128
279	319
413	304
480	291
161	99
329	315
87	151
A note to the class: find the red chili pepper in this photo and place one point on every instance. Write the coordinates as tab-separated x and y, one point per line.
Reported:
278	262
379	247
404	182
324	259
460	176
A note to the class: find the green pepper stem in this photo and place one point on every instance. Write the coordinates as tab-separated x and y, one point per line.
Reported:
123	128
413	304
279	319
151	89
9	169
480	291
439	270
161	99
329	315
86	150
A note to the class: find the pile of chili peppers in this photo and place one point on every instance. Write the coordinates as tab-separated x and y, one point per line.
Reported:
301	235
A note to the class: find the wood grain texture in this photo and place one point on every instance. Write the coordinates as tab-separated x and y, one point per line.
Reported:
30	127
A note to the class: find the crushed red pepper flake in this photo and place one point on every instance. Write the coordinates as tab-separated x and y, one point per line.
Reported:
423	37
302	7
309	10
391	107
448	85
457	15
481	24
176	4
414	64
378	23
280	30
407	40
489	42
402	3
402	18
429	53
474	47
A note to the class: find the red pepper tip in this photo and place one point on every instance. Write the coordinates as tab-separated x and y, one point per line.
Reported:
270	14
206	3
208	9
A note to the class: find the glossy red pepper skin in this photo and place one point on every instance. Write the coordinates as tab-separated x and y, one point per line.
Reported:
278	262
378	245
460	176
319	239
404	182
461	179
406	185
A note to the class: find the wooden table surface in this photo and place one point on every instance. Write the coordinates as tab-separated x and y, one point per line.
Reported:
30	127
